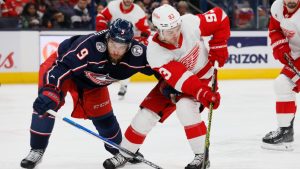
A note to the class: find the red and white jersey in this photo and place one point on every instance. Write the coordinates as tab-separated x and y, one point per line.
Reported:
191	51
134	14
284	27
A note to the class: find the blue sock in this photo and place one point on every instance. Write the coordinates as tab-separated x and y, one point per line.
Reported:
40	131
108	127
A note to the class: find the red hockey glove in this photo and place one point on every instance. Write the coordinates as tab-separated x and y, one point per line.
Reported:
219	53
48	98
206	96
279	50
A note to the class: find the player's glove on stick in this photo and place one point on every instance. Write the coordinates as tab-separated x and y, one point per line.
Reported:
206	96
48	98
280	50
218	52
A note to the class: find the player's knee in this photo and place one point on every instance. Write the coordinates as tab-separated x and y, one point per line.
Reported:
108	127
144	121
284	87
187	111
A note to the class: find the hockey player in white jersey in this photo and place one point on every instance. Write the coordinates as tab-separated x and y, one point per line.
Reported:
283	31
177	52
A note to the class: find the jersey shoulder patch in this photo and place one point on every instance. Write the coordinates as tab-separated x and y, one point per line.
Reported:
137	50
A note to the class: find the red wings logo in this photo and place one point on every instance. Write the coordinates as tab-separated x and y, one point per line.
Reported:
171	16
190	60
288	33
7	62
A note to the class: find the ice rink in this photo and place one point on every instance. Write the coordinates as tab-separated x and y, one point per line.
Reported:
246	114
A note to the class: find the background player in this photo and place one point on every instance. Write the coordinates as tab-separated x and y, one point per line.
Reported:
285	39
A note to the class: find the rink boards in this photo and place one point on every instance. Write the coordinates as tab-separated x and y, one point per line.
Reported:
21	53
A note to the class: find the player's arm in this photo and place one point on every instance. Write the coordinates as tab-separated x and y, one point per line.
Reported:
216	23
102	19
279	42
72	61
177	76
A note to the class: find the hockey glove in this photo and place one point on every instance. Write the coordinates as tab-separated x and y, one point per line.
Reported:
169	92
218	52
48	98
280	50
206	96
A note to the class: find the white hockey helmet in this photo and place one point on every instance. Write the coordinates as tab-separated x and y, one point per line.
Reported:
166	17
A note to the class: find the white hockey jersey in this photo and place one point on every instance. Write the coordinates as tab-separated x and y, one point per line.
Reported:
288	25
114	10
191	51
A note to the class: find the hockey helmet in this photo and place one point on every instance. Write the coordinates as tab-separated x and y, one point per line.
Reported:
166	17
121	31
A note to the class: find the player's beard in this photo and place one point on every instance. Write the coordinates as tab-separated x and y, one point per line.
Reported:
114	58
127	4
292	5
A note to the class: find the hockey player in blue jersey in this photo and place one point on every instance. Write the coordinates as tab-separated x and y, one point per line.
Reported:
83	66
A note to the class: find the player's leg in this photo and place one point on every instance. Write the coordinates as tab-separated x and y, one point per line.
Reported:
189	116
95	104
123	88
40	128
285	111
155	108
135	135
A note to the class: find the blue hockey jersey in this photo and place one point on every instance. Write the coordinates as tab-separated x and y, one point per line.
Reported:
85	59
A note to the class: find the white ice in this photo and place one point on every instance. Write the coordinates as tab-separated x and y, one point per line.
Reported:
246	114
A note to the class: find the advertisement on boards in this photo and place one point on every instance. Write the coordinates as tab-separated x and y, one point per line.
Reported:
9	51
49	45
250	49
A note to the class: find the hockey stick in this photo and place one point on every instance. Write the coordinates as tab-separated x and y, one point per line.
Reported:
88	131
207	141
291	65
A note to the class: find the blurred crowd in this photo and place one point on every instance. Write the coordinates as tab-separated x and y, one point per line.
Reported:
80	14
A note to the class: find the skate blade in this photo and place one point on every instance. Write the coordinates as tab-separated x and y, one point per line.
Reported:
278	147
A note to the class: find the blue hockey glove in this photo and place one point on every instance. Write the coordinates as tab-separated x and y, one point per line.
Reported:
48	98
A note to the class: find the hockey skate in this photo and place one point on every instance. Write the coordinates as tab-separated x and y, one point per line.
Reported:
115	162
198	162
281	139
33	158
122	92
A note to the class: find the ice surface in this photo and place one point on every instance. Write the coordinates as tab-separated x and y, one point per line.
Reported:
246	114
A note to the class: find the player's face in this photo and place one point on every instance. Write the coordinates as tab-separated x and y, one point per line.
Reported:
116	50
127	3
172	35
292	4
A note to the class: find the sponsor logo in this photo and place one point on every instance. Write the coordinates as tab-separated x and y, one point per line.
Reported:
49	49
137	50
7	62
246	50
101	47
247	58
98	106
